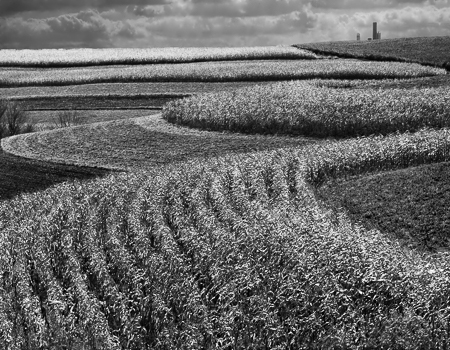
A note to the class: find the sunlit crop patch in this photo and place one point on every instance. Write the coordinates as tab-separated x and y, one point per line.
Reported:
258	70
301	108
87	57
200	250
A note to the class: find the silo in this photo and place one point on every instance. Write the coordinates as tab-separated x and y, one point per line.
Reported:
375	31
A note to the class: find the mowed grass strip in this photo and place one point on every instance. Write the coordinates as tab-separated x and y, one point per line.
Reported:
216	72
427	50
129	56
136	144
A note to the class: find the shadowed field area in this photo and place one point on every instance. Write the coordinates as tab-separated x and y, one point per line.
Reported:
432	51
19	175
411	203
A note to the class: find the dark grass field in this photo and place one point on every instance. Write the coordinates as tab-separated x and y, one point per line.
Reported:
430	51
413	204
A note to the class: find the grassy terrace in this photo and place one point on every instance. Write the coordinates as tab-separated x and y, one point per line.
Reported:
431	51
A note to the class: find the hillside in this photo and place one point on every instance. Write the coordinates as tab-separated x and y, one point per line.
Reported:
172	237
428	50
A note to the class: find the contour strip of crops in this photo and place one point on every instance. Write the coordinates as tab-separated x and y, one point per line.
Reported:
217	72
235	252
314	109
91	57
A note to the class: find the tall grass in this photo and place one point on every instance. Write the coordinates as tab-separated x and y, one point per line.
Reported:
231	253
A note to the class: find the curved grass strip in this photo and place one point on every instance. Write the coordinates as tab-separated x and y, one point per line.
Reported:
94	57
136	144
199	250
299	108
215	72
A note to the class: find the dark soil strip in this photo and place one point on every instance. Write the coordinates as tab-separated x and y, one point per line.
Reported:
19	175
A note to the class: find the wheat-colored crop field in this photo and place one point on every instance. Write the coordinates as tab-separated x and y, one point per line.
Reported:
307	213
102	57
222	71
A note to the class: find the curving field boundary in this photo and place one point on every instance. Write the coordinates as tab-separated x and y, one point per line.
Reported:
136	144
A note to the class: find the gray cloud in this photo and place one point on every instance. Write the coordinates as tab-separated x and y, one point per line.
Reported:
364	4
220	23
234	8
83	29
12	7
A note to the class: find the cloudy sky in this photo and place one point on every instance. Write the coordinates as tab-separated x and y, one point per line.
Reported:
159	23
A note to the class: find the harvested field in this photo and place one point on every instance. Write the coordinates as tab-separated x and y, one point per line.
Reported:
432	51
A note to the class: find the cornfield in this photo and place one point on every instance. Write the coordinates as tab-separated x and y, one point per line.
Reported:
216	72
235	252
313	109
92	57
